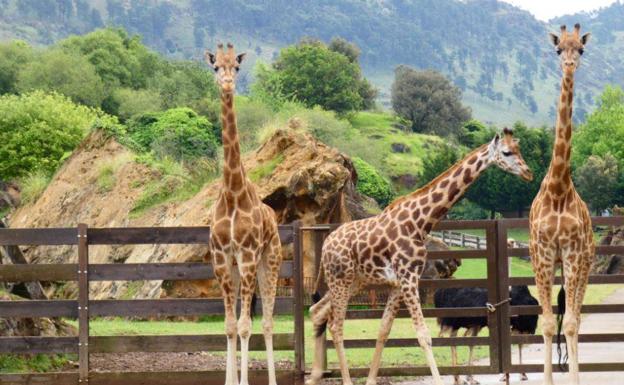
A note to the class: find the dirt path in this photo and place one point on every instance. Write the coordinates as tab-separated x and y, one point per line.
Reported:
588	352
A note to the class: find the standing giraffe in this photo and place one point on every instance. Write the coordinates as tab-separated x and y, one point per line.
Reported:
244	239
389	248
559	223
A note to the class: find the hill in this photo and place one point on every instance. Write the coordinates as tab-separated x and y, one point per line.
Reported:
498	54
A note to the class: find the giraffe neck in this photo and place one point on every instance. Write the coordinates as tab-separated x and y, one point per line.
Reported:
559	176
430	203
233	172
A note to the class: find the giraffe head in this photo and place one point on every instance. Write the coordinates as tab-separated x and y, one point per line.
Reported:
569	47
226	65
505	153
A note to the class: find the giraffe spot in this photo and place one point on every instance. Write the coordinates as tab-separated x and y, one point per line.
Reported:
479	163
420	223
453	191
444	183
436	197
458	171
439	212
473	159
468	176
415	214
377	261
403	215
426	210
560	150
424	200
428	227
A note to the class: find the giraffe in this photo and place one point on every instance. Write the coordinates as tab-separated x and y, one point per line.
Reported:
560	230
389	248
244	240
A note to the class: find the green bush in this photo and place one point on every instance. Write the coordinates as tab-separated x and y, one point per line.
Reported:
371	183
133	102
37	130
33	185
178	133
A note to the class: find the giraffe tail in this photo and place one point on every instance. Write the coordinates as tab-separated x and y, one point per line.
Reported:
254	301
561	304
319	329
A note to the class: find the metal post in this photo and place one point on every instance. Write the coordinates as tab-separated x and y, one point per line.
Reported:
83	304
298	303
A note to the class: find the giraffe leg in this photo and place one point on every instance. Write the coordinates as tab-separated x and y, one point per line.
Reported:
523	376
227	277
247	289
339	305
268	271
471	332
409	288
544	275
319	314
392	307
453	334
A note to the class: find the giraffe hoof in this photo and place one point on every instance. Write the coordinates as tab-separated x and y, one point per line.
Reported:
524	377
503	378
371	382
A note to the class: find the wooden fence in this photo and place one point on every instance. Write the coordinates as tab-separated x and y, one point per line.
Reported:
497	282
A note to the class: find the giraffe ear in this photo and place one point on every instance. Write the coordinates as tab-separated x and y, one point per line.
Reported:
585	38
210	58
240	57
496	139
554	39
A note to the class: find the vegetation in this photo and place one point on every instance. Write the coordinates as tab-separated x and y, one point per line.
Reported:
33	185
597	182
429	101
314	75
265	169
372	184
37	130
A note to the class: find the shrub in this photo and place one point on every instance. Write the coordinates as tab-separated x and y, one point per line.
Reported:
33	185
133	102
37	130
178	133
371	183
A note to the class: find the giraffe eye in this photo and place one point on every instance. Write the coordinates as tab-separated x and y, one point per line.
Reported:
581	50
216	69
559	50
237	69
507	153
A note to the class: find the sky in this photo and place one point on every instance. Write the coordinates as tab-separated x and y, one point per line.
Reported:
547	9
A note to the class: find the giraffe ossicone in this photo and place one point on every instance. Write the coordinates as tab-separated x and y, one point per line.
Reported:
389	248
244	238
560	230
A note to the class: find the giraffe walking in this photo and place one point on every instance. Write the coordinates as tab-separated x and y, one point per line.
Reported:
244	240
390	249
560	230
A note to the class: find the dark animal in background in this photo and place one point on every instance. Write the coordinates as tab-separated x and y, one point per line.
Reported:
461	297
477	297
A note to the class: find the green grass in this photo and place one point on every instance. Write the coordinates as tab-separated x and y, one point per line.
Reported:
11	363
32	186
354	329
265	169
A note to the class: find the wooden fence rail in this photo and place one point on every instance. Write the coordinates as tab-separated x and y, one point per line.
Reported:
494	251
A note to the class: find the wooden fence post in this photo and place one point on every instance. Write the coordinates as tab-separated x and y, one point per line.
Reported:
492	287
503	294
83	304
319	237
298	302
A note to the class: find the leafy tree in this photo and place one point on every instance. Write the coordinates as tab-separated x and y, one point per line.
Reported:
428	100
183	84
132	102
313	75
473	133
178	133
13	56
438	162
343	46
497	190
66	73
597	181
37	130
371	183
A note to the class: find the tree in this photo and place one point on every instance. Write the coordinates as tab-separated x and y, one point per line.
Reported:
602	134
66	73
429	101
371	183
313	75
497	190
436	164
13	56
37	130
597	180
352	52
178	133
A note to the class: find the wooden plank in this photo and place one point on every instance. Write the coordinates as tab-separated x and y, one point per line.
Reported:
298	303
608	221
427	312
117	272
25	309
174	307
462	225
181	343
593	279
600	250
502	293
596	338
35	345
587	367
83	303
493	237
51	236
256	377
586	309
461	254
411	371
412	342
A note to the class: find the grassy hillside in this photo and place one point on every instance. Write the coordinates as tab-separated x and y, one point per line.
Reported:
498	54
